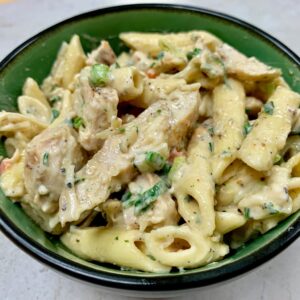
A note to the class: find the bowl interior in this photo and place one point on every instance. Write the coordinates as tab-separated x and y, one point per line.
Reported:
36	58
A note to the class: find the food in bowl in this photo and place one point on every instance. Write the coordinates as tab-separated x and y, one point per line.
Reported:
165	156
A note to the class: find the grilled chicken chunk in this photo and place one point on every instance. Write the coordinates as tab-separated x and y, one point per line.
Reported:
104	54
114	164
47	158
97	108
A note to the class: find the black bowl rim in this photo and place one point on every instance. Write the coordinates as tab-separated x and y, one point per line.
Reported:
184	281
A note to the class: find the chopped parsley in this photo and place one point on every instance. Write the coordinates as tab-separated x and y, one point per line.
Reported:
99	74
247	212
116	238
55	114
270	208
160	55
192	54
153	64
211	147
247	128
46	159
143	201
269	108
77	122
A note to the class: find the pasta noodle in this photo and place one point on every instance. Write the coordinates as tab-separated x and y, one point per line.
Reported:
163	157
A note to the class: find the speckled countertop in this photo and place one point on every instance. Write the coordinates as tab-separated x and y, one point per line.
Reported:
21	277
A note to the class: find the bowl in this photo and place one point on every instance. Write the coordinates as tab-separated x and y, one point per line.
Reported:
35	57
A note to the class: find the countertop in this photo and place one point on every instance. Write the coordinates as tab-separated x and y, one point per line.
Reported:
21	277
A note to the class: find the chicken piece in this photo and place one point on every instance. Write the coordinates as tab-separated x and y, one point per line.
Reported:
113	165
104	54
167	125
161	212
47	157
97	108
104	174
245	68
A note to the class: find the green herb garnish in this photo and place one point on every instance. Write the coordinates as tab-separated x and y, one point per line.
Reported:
278	159
46	159
155	160
126	196
151	257
247	212
121	129
247	128
99	74
160	55
77	122
153	64
55	114
270	208
269	108
143	201
211	147
192	54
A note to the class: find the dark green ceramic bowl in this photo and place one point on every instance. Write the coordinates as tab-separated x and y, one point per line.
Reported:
35	57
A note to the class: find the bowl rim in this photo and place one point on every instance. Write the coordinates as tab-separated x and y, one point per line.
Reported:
157	283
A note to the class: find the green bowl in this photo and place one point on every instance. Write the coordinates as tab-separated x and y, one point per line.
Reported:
35	57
